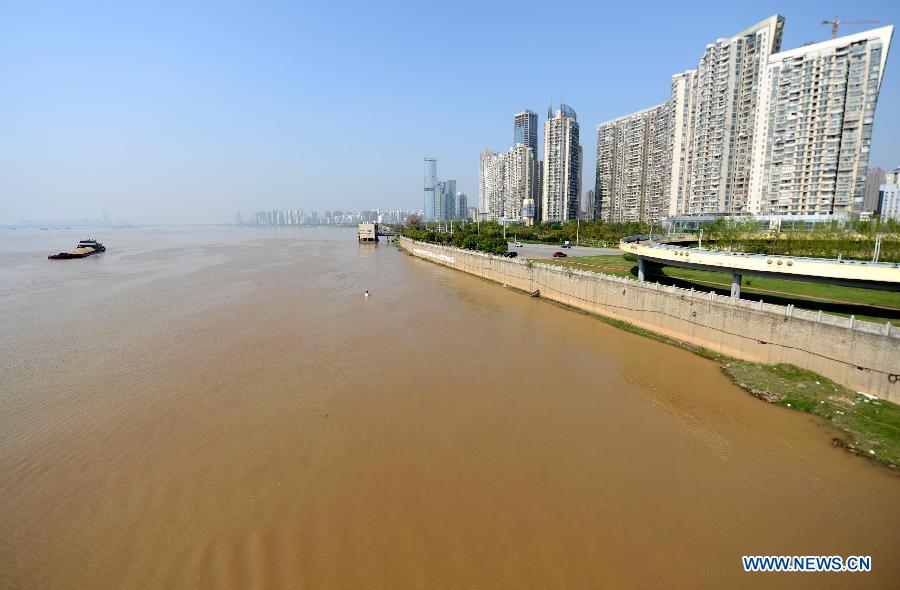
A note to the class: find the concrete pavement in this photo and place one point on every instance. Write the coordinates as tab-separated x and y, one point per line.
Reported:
547	250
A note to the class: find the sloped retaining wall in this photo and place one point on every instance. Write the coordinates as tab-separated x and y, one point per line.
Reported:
863	356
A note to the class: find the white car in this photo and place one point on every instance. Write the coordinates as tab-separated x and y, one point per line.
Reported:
518	244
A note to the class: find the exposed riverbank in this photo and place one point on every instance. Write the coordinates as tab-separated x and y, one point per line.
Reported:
867	426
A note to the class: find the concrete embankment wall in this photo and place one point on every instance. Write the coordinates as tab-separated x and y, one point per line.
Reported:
863	356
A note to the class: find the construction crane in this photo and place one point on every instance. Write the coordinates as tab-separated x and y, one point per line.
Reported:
840	21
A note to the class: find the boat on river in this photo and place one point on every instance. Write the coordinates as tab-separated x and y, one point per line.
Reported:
84	249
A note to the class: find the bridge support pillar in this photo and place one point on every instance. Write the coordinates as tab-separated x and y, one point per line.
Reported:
647	267
736	285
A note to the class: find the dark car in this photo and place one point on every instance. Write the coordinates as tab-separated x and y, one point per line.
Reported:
559	254
511	254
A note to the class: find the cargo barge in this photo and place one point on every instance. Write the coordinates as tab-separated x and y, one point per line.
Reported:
84	249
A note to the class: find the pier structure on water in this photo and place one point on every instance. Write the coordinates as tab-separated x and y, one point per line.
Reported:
370	232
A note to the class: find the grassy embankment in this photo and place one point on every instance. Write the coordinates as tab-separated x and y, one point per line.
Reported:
870	427
865	304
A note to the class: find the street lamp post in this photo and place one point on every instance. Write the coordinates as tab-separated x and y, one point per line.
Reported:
480	214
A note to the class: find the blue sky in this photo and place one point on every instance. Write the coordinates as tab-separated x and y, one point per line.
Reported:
187	112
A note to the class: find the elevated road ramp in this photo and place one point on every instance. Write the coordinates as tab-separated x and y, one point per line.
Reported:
849	273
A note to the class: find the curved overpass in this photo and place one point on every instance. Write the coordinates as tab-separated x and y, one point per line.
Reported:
852	273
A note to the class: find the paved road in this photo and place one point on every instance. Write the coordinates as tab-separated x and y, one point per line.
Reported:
547	250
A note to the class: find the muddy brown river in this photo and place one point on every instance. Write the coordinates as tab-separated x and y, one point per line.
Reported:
222	408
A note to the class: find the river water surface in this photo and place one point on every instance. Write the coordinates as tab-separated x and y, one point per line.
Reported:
222	408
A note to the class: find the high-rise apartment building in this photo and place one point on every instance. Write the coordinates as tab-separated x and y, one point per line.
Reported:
491	184
430	186
505	181
681	104
889	202
892	177
750	131
726	94
889	196
519	180
562	166
633	166
874	179
816	125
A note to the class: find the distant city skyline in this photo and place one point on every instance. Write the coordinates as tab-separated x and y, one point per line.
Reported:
104	220
328	217
188	115
441	201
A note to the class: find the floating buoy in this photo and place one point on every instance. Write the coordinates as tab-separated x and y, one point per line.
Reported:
367	294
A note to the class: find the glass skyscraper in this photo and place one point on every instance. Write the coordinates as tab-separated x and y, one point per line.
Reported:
525	130
463	209
430	185
448	207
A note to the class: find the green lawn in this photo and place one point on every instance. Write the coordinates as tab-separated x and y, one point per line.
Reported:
865	304
613	264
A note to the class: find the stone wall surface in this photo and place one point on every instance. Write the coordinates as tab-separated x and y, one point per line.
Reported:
863	356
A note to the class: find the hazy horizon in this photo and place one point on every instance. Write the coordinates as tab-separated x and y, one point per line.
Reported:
172	114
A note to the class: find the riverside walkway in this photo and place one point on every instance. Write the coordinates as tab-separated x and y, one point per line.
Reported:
852	273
